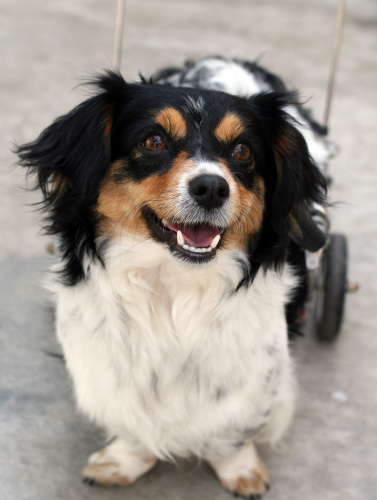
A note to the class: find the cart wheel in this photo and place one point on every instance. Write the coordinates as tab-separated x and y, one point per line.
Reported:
332	288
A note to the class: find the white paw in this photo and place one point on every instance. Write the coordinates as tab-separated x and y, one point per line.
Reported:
250	485
115	465
243	473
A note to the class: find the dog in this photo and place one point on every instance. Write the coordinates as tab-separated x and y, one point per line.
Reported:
176	202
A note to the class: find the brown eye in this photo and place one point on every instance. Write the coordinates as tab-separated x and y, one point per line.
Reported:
242	152
154	143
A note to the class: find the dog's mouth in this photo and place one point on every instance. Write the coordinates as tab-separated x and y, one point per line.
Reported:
194	242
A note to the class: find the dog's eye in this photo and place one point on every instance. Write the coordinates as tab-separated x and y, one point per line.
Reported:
242	152
154	143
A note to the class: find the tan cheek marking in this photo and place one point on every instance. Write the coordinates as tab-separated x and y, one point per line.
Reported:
247	212
173	122
119	207
229	128
120	204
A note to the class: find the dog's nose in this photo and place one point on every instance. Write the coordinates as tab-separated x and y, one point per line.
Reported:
209	191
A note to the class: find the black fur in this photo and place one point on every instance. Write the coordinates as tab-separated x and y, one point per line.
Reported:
300	183
71	157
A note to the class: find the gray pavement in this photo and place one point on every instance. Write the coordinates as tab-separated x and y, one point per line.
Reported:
46	49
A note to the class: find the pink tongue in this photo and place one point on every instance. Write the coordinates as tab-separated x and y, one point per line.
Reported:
199	236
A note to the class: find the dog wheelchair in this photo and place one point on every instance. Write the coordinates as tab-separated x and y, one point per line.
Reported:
326	266
321	257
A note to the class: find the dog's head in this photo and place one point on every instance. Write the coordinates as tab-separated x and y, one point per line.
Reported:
197	171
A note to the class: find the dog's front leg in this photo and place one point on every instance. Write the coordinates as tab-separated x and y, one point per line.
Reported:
242	472
118	464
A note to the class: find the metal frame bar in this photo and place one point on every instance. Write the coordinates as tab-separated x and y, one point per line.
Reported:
118	37
335	60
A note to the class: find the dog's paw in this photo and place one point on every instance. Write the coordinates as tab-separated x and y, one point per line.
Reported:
243	473
116	466
252	485
106	474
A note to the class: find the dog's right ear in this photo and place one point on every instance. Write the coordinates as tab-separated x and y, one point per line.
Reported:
74	151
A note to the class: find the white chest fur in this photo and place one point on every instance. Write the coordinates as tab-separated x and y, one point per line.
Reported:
171	355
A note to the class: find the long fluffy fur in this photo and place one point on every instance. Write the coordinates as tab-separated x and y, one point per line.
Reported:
175	358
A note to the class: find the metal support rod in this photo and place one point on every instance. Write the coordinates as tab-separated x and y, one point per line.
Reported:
119	25
335	59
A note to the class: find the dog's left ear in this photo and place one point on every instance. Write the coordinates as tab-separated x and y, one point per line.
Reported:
297	182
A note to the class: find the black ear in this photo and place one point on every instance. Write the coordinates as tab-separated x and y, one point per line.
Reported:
69	159
74	151
299	185
297	182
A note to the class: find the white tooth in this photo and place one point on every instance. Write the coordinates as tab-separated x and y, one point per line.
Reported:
196	249
180	238
215	241
165	222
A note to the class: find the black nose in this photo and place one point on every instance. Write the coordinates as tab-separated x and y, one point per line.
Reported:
209	191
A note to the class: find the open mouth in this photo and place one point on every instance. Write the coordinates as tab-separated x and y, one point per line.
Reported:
195	242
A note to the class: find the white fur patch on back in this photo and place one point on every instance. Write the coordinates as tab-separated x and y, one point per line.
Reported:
232	77
226	76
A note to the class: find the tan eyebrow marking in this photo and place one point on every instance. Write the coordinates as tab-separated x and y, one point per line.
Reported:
173	122
229	128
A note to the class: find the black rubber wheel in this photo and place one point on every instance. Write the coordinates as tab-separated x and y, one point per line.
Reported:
332	288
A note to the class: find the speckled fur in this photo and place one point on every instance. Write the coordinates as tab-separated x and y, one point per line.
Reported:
183	364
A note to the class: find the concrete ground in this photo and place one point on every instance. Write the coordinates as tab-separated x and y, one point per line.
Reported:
46	49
